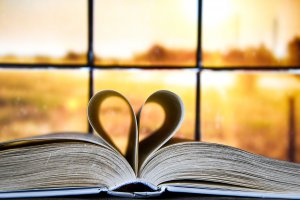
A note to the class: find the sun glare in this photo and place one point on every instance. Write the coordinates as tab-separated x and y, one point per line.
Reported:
190	10
181	79
280	52
215	11
218	80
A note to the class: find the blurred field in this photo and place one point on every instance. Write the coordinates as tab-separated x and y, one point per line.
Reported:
37	102
250	110
245	110
34	102
68	59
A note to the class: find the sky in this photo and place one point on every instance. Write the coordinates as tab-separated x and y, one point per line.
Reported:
124	28
133	26
243	23
47	27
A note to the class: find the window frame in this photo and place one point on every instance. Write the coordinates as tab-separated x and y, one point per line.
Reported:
90	65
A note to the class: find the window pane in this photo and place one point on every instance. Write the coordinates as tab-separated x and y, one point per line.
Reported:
143	32
251	33
251	110
34	102
137	85
48	31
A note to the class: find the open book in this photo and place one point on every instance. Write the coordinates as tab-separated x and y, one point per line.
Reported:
74	164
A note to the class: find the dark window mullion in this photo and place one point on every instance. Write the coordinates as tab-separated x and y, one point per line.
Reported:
90	53
199	67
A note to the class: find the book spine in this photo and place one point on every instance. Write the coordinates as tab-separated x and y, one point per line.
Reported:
153	190
137	194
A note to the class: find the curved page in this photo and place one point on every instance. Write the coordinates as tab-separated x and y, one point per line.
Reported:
56	137
174	112
93	116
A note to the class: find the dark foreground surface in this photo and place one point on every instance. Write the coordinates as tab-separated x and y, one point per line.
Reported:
164	196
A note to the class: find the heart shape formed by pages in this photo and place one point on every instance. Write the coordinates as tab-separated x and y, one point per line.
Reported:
136	151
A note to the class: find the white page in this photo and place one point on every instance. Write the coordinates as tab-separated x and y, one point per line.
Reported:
93	116
174	112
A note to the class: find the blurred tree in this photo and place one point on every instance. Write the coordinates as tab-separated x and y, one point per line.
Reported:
252	56
71	55
234	57
158	54
42	59
259	56
294	51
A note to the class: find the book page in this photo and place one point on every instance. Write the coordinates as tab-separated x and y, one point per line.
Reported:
56	137
219	167
174	112
93	116
136	152
60	164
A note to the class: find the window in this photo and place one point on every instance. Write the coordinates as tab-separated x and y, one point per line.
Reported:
43	32
250	77
268	38
146	33
40	101
237	73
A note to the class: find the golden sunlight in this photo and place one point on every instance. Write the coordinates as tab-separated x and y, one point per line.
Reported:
182	79
249	32
188	7
217	80
216	11
145	31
